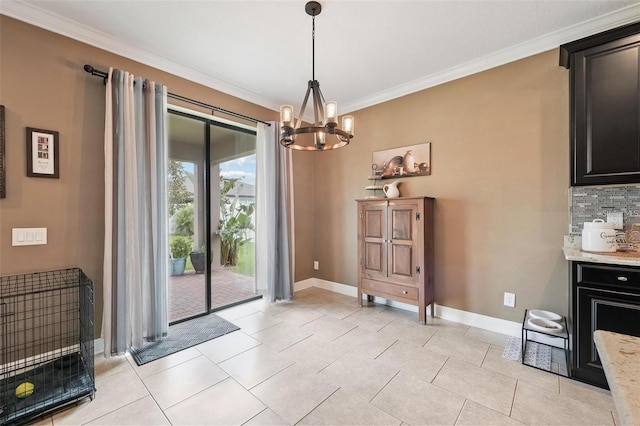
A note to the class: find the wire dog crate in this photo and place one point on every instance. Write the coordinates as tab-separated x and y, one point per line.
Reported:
46	337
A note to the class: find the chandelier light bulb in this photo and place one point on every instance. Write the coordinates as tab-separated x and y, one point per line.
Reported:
319	140
331	112
286	115
348	124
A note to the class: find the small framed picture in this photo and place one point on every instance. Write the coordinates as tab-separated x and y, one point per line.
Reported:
42	153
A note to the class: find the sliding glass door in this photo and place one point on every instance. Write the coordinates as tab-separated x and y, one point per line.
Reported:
212	212
233	200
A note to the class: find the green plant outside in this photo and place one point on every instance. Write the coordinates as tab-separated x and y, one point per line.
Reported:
188	266
246	260
180	247
184	221
201	249
236	250
179	196
235	221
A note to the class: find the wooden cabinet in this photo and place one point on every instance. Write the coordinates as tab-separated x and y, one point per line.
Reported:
605	106
603	297
395	251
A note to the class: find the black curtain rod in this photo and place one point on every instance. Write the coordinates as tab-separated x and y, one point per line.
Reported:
91	70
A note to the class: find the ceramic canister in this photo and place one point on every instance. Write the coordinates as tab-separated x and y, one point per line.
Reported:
598	236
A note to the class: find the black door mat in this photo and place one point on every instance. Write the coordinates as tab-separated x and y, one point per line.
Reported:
183	336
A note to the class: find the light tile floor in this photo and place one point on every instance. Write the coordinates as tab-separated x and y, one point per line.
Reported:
323	360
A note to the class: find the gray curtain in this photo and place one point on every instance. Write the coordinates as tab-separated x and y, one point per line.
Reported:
135	278
274	215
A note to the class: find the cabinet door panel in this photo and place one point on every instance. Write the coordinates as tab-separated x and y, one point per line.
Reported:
402	260
374	259
401	221
601	310
402	243
372	230
606	113
374	223
610	104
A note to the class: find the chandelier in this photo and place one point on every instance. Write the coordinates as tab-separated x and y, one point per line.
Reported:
324	134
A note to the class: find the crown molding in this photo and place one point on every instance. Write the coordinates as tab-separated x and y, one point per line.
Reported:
624	16
58	24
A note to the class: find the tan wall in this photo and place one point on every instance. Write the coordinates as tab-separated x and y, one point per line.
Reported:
500	175
43	85
500	170
305	203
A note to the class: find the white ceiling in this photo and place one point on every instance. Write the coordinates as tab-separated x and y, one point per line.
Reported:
366	51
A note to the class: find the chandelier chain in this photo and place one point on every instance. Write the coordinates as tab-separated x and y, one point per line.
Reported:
313	47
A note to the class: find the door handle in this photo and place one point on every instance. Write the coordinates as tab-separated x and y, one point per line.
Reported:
623	279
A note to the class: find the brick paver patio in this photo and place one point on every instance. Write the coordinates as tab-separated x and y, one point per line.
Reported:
187	292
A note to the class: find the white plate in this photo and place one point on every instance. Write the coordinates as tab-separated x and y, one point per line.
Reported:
547	326
551	316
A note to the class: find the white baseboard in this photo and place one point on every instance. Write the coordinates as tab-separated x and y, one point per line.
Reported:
304	284
98	346
485	322
496	325
347	290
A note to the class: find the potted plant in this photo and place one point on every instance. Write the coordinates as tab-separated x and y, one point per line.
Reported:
198	259
180	248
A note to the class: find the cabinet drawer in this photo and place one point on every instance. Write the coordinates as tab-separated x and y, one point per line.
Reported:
607	275
391	289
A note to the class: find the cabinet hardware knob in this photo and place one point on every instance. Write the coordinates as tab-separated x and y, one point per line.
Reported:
621	278
405	292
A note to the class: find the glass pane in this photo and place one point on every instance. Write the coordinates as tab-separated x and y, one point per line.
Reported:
233	180
187	294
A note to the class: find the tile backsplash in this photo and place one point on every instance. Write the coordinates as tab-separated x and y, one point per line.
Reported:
593	202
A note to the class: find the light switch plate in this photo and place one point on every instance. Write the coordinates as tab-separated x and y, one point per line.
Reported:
616	218
28	236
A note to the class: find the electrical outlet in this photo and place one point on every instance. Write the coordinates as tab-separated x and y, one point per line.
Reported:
616	219
316	265
510	300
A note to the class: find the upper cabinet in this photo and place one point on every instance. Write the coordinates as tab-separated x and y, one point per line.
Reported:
605	106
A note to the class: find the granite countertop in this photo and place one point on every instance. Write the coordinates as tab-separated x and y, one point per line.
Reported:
620	356
572	251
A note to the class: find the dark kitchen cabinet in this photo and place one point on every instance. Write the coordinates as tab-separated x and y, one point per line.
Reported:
395	251
605	106
603	297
